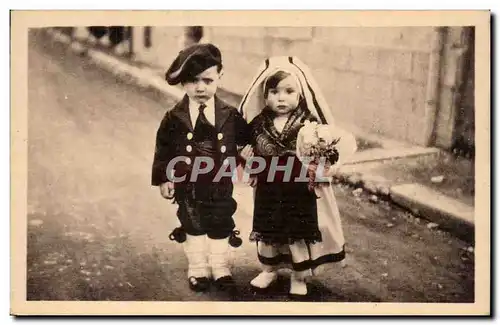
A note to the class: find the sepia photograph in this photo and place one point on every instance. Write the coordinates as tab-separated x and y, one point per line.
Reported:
215	158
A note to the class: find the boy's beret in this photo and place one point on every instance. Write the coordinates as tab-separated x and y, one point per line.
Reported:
191	61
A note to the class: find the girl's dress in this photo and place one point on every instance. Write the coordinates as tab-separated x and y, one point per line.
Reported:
291	224
284	211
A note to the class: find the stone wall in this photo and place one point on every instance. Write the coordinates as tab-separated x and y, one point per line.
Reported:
374	78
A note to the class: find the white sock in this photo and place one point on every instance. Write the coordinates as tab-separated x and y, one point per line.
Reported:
297	285
219	258
196	253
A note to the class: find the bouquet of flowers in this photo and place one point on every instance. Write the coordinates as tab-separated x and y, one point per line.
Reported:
317	145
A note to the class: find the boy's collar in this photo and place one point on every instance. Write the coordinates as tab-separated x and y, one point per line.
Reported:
222	112
209	103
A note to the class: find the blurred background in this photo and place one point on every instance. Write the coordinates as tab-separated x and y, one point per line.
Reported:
97	230
409	84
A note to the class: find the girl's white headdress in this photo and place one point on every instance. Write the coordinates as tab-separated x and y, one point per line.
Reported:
253	100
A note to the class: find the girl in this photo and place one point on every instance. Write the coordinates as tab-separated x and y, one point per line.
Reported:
291	223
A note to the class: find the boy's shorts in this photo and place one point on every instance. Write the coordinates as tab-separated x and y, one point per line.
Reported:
206	209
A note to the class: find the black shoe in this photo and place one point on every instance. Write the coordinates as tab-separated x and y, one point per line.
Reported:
296	297
226	283
198	284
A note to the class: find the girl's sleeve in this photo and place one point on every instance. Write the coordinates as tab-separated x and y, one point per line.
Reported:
346	146
163	150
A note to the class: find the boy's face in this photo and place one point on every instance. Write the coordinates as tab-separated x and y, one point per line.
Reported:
285	97
203	86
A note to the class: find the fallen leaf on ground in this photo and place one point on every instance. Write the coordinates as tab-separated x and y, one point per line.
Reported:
437	179
432	225
357	191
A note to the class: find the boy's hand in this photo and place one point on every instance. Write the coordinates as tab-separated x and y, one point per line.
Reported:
247	152
167	190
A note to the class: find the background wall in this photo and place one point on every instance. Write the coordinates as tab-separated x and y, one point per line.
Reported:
374	78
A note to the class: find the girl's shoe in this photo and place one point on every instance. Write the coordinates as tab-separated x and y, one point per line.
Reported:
264	280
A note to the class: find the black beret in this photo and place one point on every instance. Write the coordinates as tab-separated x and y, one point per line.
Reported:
192	61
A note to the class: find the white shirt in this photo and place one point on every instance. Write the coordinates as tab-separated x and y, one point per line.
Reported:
209	111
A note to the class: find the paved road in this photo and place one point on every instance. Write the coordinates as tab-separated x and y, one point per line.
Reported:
98	230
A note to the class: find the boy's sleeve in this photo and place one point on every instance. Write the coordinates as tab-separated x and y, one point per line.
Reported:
163	151
242	130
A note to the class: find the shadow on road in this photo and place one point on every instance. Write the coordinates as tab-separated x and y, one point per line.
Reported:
95	265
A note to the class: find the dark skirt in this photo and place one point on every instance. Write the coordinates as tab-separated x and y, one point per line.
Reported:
285	213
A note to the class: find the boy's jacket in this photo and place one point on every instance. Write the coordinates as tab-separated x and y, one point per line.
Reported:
175	137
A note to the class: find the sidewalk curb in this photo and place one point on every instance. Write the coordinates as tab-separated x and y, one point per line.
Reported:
449	214
429	208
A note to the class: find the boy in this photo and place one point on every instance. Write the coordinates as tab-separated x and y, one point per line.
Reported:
200	125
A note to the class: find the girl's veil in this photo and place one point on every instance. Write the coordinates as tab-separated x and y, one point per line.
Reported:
253	100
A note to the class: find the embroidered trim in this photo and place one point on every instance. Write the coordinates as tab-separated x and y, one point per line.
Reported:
257	236
304	265
312	264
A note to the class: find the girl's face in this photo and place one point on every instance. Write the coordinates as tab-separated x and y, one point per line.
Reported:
285	97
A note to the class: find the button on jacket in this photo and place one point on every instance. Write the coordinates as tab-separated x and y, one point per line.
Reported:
175	136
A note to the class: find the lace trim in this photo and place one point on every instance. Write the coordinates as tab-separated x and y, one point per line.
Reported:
311	239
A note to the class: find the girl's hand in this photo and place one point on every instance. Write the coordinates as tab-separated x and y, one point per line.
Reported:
247	152
167	190
312	168
252	181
